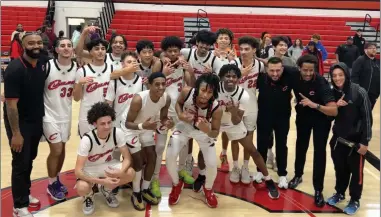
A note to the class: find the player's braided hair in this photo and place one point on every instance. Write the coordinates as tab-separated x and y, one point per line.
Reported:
212	81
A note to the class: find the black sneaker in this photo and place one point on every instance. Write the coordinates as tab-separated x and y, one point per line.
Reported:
295	182
137	201
273	190
148	197
319	199
198	183
115	191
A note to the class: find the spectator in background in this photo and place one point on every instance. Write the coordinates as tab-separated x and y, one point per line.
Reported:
76	35
316	38
60	36
359	41
366	72
312	49
289	44
52	37
45	40
295	51
266	48
347	53
19	29
280	45
16	46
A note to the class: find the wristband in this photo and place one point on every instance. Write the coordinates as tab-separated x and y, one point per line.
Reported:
140	126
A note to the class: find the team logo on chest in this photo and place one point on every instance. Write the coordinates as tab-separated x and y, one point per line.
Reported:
93	86
58	83
171	81
124	97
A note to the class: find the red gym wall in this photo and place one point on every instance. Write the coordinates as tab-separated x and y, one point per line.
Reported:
372	5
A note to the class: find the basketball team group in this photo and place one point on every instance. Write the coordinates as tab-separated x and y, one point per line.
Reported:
134	104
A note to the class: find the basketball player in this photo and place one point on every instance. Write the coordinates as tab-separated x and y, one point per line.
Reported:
118	46
95	164
225	49
148	63
202	60
58	93
139	130
250	68
200	119
176	77
234	100
93	79
121	91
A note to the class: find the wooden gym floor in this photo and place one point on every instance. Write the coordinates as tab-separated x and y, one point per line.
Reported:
234	200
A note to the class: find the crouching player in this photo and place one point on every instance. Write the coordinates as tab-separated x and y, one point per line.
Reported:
95	164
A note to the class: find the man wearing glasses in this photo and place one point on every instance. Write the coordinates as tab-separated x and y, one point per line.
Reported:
366	72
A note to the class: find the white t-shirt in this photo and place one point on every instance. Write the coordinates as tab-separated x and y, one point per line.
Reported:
100	151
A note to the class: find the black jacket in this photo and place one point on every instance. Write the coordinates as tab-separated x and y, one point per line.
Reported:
359	42
366	73
353	121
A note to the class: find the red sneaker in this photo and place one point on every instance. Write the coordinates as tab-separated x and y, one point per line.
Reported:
174	196
210	198
224	163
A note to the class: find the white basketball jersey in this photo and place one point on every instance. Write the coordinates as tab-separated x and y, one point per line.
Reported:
175	83
199	63
113	60
239	97
149	108
190	107
249	82
121	92
58	93
101	150
144	72
96	91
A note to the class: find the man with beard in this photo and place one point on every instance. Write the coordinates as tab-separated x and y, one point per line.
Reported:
354	123
24	83
347	53
19	29
366	72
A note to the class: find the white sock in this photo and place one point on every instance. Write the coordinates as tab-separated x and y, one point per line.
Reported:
235	164
189	157
51	180
202	172
145	184
136	182
267	178
223	152
211	174
246	163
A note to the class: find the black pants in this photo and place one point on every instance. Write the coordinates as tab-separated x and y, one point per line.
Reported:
280	126
372	100
22	163
305	124
349	169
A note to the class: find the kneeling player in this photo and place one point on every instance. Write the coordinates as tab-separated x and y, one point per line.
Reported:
233	102
95	164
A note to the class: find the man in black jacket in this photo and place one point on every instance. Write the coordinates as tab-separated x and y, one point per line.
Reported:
366	72
354	123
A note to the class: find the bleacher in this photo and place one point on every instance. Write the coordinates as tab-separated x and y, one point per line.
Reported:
30	17
136	25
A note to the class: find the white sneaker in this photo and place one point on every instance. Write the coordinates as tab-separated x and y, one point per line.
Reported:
88	205
245	175
258	178
189	166
234	175
270	159
111	199
283	183
21	212
33	202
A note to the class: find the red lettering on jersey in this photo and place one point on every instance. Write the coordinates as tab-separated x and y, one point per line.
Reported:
109	158
124	97
53	136
93	86
58	83
171	81
134	140
94	158
196	71
248	77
